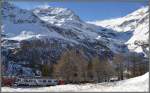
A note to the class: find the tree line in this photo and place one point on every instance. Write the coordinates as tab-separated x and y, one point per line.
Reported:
74	67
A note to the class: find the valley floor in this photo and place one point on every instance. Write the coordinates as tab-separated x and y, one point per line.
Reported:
137	84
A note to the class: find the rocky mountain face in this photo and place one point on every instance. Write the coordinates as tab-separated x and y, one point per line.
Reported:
33	38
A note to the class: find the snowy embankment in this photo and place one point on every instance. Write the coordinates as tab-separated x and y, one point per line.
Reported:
137	84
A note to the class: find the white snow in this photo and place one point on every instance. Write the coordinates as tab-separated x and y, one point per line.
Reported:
137	84
99	37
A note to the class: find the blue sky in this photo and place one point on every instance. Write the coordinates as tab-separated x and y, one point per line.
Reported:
90	11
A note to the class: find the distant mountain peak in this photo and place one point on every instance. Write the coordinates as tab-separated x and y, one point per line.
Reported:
136	23
56	14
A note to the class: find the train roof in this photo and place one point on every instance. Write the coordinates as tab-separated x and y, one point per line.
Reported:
39	77
35	77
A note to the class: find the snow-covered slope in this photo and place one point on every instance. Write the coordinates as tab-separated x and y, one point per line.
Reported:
126	23
66	18
136	22
137	84
16	20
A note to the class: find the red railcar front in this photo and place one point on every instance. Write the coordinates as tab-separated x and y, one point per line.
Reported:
8	80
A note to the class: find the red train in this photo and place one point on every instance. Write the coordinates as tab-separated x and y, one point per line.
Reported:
30	81
8	80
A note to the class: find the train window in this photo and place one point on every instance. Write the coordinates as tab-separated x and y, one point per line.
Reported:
25	80
44	80
32	80
18	79
49	80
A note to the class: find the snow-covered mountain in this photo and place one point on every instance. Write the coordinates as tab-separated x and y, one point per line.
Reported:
136	23
20	24
31	38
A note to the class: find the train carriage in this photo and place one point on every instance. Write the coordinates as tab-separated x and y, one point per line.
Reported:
30	81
